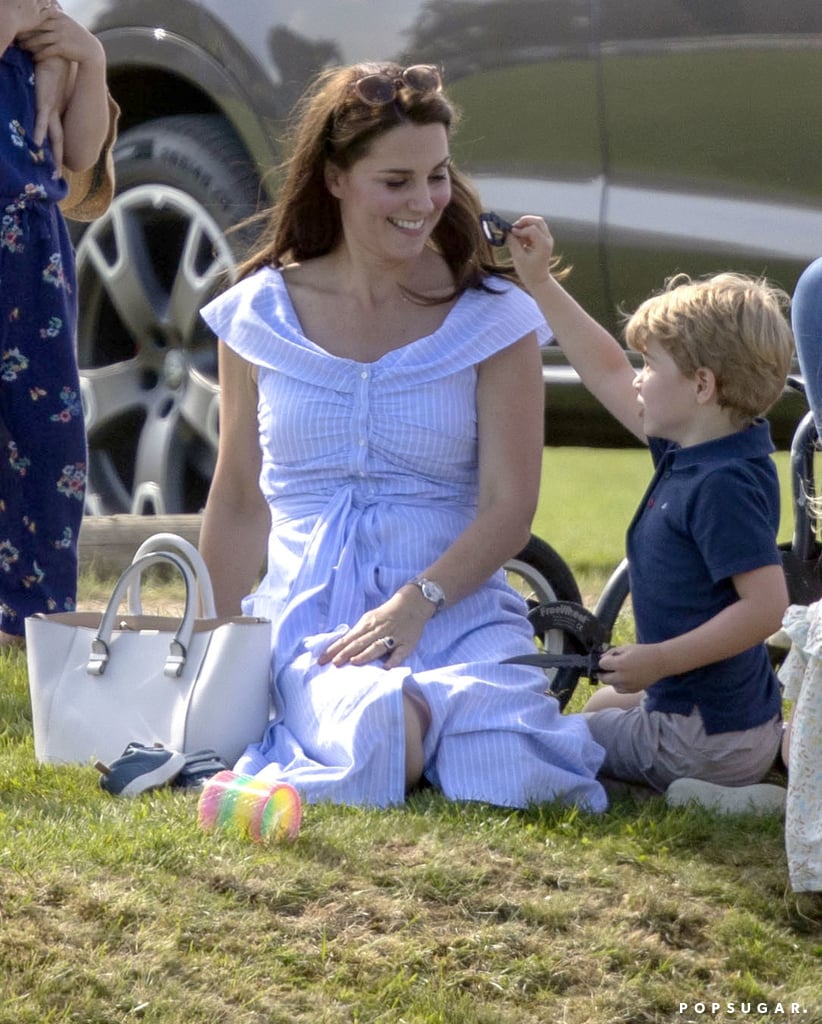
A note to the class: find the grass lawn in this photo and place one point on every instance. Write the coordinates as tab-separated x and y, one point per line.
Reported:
113	911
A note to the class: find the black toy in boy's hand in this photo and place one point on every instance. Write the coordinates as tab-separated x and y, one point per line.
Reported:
495	228
587	663
590	638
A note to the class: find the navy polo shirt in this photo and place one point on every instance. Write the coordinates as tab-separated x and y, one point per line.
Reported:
710	512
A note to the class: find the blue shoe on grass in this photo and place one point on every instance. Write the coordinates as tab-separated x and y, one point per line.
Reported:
198	768
139	769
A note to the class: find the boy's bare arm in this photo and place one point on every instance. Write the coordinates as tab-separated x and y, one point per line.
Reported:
763	599
597	357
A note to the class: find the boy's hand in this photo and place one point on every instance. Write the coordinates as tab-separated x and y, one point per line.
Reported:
631	668
531	246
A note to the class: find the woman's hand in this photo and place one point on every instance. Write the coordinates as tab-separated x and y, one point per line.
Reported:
388	633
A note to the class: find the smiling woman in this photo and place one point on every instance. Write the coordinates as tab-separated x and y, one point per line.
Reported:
390	202
382	428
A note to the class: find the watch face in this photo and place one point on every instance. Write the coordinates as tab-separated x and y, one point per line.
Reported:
432	592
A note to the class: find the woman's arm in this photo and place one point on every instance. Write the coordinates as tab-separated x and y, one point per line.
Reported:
236	520
510	413
510	401
597	357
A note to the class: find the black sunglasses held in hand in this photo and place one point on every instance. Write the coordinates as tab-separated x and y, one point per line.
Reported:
495	228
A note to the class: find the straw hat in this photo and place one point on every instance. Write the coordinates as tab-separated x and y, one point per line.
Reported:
91	191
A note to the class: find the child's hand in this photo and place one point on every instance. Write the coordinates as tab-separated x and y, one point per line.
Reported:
64	53
58	35
22	15
531	246
631	668
50	83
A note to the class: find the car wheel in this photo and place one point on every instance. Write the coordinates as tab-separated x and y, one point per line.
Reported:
148	362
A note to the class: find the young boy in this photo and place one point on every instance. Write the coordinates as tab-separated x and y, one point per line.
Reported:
696	696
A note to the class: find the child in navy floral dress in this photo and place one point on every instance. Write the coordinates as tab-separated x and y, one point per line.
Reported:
60	123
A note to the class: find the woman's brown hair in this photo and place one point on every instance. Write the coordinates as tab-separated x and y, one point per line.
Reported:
332	124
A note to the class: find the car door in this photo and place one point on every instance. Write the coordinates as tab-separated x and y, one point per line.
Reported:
712	149
525	75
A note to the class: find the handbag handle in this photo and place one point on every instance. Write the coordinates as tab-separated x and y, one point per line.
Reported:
177	545
178	647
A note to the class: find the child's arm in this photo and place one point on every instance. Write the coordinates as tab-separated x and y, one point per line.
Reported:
763	599
51	79
84	108
597	357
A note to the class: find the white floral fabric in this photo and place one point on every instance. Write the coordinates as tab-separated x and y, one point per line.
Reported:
801	677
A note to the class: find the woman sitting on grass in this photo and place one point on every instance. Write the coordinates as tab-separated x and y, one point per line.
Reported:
381	424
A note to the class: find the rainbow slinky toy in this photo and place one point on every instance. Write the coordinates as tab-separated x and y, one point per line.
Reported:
263	811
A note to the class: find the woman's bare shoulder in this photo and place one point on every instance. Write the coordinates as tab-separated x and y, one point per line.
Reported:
312	275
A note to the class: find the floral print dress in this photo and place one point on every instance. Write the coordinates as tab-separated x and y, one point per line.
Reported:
42	436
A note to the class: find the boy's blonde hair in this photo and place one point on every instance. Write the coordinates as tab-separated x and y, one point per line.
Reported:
734	325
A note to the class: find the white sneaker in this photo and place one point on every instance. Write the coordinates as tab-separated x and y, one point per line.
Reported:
779	640
762	798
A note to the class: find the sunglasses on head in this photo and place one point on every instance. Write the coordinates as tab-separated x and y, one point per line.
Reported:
495	228
378	89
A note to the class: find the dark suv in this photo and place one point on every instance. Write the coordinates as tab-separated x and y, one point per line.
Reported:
654	135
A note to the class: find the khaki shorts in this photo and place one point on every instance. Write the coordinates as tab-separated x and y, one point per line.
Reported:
656	747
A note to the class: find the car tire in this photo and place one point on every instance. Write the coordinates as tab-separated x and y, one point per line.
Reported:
148	362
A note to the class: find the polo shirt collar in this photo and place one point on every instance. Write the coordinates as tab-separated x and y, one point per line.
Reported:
753	442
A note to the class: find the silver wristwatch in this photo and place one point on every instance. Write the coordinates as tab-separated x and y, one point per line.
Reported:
430	590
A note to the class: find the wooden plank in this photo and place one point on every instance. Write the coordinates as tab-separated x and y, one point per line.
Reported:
108	543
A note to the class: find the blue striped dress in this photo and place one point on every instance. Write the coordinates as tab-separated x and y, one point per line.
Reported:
370	473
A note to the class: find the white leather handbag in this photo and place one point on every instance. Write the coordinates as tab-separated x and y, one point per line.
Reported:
99	682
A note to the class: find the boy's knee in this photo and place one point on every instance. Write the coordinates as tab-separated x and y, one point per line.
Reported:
607	697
